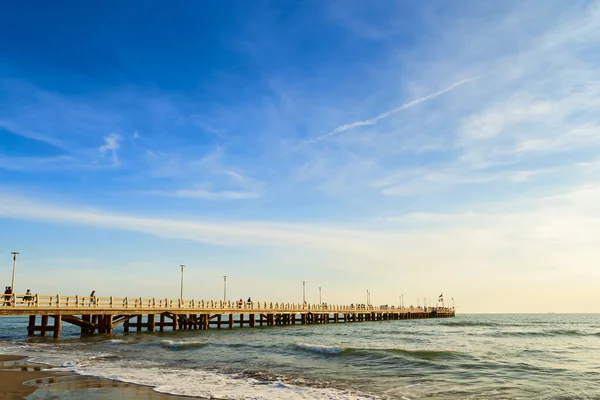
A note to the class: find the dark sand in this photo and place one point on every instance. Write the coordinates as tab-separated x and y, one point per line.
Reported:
19	378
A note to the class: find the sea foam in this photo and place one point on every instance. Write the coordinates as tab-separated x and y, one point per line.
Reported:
201	383
320	349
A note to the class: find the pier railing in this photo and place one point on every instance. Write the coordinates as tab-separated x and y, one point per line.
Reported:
22	301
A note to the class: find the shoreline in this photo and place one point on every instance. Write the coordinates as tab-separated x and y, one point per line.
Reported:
20	378
12	382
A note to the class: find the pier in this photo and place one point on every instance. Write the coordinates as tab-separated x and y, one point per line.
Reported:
100	315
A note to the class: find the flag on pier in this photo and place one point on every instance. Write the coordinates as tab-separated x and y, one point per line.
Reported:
441	298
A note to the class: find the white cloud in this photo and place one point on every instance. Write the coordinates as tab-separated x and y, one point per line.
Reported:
223	233
210	195
111	145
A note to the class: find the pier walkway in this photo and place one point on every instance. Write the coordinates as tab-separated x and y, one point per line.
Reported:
102	314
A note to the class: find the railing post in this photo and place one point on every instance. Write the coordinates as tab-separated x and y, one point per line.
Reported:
57	301
76	300
111	301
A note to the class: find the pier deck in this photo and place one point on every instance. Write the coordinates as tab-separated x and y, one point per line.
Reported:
102	314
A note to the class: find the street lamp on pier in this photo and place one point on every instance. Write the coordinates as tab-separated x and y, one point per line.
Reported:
303	292
14	254
320	302
181	288
224	288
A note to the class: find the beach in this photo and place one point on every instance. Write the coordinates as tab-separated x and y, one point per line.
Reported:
20	378
12	378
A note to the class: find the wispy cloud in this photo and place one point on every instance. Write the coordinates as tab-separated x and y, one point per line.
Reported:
35	163
209	195
374	120
18	129
227	233
111	145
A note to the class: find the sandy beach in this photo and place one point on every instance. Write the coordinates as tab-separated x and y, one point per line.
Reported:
12	378
15	371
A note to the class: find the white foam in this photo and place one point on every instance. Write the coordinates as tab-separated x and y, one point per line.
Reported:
182	381
181	344
200	383
320	349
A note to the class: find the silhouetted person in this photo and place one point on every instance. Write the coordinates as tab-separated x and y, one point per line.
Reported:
28	296
92	297
7	295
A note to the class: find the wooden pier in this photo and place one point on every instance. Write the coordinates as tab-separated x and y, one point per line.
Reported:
100	315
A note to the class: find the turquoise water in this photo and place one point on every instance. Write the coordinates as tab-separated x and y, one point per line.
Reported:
548	356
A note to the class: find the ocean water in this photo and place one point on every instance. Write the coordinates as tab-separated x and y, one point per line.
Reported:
543	356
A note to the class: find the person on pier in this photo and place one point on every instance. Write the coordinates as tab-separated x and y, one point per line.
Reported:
28	297
92	297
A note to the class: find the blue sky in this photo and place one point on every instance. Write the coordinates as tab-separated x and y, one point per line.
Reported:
399	147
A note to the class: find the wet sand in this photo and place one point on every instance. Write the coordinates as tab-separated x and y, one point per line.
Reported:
12	377
19	378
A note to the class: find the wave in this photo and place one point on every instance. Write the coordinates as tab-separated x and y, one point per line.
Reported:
321	349
471	323
170	344
216	385
547	333
85	361
418	354
423	354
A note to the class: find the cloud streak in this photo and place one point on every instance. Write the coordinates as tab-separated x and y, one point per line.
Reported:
374	120
364	243
210	195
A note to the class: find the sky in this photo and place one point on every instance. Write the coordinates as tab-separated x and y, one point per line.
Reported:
406	148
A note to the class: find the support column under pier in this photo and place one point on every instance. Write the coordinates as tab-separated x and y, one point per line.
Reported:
44	325
31	326
151	322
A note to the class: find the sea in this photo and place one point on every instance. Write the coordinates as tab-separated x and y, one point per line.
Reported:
504	356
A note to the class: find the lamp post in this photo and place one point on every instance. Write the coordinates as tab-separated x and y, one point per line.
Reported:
368	297
320	302
224	288
402	301
181	289
14	254
303	292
